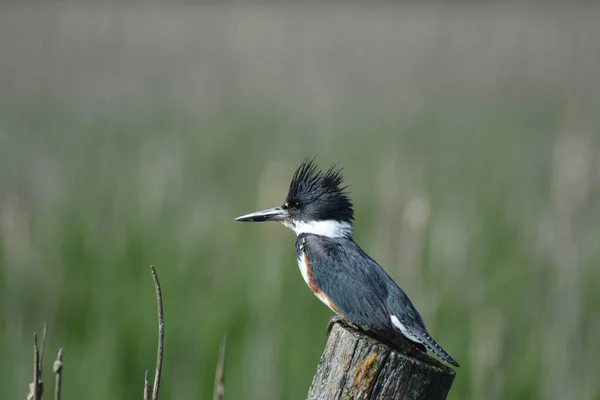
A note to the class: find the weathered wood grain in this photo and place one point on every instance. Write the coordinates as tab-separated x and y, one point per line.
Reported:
355	366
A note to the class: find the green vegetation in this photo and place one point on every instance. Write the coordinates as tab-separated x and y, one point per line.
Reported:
461	220
484	208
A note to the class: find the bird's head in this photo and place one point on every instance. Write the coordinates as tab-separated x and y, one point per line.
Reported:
316	203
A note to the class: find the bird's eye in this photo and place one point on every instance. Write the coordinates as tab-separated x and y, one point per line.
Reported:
297	204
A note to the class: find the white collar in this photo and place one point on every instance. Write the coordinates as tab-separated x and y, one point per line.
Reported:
330	228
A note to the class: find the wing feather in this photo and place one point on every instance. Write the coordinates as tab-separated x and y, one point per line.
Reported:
349	279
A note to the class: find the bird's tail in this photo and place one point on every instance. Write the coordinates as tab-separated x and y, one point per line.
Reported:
436	349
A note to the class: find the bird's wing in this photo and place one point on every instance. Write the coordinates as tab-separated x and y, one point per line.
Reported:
363	292
405	317
351	281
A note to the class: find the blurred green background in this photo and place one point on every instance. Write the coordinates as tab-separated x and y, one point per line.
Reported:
133	135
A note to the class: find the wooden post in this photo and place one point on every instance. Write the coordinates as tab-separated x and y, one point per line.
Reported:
355	366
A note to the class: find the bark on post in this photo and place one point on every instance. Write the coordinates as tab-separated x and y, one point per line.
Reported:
355	366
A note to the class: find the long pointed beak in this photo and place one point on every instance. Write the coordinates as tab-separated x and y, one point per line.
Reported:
272	214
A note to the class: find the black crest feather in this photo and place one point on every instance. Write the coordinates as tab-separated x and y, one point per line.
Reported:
320	194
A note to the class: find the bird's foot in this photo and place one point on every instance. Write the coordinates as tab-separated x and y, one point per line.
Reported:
332	321
336	319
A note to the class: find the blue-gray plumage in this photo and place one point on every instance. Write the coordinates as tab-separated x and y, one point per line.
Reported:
335	268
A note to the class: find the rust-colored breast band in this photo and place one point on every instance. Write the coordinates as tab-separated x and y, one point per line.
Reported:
315	289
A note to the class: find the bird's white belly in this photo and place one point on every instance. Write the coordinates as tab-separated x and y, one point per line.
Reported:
304	269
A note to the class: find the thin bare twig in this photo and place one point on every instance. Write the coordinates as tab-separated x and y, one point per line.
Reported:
36	368
161	335
41	365
147	394
35	388
219	389
58	367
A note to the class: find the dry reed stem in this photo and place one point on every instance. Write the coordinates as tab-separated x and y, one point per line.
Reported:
219	388
147	394
57	368
161	338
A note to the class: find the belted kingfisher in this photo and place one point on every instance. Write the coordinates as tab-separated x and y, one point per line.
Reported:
335	268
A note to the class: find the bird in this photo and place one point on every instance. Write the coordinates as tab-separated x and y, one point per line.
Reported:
338	272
